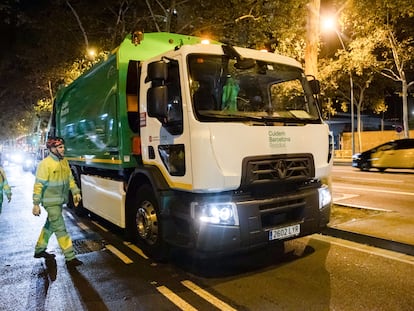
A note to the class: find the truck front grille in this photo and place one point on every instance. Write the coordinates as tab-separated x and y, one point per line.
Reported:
286	167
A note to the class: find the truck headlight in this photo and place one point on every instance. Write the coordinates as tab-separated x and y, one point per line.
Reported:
325	196
222	213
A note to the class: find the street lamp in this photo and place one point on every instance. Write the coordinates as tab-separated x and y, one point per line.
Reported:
329	24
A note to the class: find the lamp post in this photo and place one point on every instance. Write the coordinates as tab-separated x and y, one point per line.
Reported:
329	24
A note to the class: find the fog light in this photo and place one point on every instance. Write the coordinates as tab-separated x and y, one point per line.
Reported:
325	196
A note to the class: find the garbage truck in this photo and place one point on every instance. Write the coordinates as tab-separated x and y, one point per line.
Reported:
197	145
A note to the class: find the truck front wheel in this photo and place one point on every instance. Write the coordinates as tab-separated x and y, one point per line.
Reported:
146	228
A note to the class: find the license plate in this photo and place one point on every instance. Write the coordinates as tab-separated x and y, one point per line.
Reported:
283	233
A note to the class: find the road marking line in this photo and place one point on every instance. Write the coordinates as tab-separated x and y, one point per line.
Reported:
207	296
375	190
363	207
118	253
344	196
373	179
83	226
99	226
136	249
366	249
70	216
350	196
175	299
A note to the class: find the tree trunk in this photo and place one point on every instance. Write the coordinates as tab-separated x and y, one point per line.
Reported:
312	38
405	107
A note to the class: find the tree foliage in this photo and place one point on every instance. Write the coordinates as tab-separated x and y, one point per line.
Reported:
47	41
378	44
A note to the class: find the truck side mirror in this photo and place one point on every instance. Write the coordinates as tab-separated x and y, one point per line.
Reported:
157	71
157	102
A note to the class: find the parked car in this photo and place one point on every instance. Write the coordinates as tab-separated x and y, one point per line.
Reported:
393	154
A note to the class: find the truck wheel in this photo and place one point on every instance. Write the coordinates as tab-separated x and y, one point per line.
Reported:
145	227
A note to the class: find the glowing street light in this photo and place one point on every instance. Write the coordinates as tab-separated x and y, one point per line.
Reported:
91	53
329	23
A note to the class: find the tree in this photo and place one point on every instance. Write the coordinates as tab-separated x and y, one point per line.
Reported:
48	39
401	54
378	42
391	25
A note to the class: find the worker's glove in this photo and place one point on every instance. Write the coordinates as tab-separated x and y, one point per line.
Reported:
9	197
76	199
36	210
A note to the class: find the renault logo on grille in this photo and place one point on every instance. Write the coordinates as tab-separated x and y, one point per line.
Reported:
281	169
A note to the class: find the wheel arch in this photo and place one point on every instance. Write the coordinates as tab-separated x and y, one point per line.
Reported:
147	175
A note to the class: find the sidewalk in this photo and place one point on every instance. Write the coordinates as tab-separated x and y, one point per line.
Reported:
375	225
386	225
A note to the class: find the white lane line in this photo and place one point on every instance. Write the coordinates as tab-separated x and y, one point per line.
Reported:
373	179
70	216
83	226
99	226
366	249
175	299
363	207
136	249
374	190
207	296
336	200
344	196
119	254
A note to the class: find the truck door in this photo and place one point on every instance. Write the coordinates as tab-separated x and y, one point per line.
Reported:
163	127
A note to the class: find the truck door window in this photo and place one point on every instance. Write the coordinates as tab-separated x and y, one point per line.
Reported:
175	112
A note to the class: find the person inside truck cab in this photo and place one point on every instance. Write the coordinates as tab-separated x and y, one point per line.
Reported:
203	97
230	92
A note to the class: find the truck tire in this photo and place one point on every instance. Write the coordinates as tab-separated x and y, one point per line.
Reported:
144	226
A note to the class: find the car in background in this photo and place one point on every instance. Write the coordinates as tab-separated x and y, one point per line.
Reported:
42	152
28	161
397	154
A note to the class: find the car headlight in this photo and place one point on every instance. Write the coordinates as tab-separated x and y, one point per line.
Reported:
17	158
28	162
222	213
325	196
356	156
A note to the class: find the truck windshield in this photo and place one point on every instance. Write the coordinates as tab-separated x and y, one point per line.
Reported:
267	92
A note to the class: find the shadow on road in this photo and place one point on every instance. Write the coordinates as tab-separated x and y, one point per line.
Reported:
41	277
232	265
89	296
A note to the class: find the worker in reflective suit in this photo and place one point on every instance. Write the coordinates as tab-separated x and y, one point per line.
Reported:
51	189
4	187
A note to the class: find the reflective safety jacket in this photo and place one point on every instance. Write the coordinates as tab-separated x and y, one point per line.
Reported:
4	186
53	181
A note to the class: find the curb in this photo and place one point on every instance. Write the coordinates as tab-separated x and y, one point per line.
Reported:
370	240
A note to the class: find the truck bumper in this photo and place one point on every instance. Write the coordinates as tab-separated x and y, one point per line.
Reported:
259	221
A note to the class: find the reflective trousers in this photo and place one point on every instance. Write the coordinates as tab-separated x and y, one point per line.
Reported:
55	224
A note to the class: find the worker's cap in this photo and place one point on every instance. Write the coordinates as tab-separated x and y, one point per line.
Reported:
54	142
